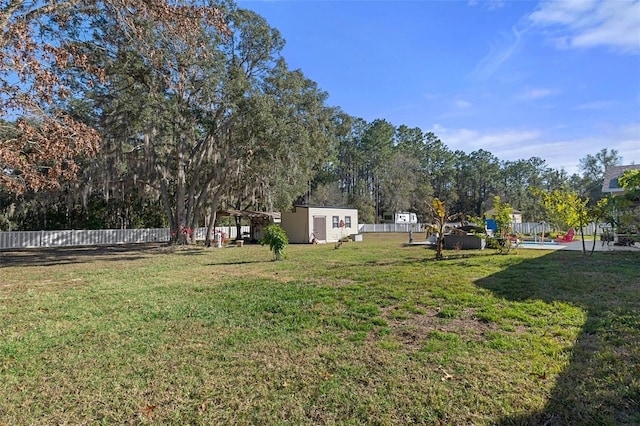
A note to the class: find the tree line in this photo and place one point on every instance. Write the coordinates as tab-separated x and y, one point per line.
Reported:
383	168
132	113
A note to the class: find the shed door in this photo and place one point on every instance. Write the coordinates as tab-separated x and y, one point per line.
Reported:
320	227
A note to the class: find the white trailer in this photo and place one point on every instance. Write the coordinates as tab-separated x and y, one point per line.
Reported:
400	217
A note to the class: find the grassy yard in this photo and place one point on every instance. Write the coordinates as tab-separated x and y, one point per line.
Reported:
370	333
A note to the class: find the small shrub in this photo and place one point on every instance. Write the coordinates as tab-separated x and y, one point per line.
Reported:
277	240
493	243
448	313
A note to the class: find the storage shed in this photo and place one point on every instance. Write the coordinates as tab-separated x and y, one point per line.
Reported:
324	224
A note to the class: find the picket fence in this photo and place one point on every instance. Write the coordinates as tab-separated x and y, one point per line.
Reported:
97	237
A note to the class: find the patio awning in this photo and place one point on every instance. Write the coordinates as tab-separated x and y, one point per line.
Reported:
249	214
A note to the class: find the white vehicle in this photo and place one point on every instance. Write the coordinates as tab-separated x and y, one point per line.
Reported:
401	217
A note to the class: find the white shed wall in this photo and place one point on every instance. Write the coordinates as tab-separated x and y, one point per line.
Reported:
299	224
296	225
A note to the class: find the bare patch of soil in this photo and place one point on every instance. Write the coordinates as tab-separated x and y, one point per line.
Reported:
413	331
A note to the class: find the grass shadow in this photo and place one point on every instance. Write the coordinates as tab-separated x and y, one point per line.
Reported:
601	384
239	262
73	255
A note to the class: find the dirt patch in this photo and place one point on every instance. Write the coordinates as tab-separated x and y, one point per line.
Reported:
415	329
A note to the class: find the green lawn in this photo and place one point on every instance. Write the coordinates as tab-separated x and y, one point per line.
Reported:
370	333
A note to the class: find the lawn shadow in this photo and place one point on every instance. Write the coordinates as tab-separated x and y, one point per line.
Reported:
239	262
70	255
601	384
429	256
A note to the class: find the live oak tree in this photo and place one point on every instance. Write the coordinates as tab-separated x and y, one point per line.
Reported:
46	140
284	133
37	46
215	118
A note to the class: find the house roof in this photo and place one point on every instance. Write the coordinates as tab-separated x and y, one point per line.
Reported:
611	175
513	211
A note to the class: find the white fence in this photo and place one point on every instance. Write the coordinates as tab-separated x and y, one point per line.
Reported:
536	228
390	227
519	228
31	239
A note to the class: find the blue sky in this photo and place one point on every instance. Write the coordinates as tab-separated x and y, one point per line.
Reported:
555	80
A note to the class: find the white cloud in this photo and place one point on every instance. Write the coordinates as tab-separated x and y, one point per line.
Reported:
533	94
489	4
500	53
558	152
628	143
595	105
462	104
469	140
438	129
562	12
588	23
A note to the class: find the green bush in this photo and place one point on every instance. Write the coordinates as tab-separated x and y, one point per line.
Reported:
277	240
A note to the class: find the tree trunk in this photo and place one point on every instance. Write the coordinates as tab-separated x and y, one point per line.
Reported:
212	219
238	228
181	214
166	202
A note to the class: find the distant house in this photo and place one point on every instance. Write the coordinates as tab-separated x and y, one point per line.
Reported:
323	224
516	215
612	174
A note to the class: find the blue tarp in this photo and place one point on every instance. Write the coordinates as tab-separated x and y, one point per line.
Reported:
491	224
